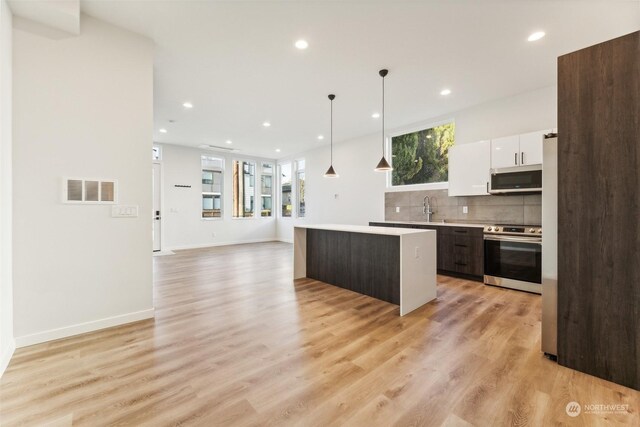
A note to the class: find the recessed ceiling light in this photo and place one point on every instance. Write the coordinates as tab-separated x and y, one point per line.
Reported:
163	130
320	137
277	150
302	44
266	124
536	36
187	105
376	115
445	92
228	141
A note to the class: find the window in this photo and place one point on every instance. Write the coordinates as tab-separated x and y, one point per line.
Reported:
244	191
300	188
285	190
422	157
212	174
266	190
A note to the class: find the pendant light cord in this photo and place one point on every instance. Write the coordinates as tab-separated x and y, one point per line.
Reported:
382	116
331	132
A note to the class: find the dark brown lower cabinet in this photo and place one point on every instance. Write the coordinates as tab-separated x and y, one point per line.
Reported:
599	210
460	249
365	263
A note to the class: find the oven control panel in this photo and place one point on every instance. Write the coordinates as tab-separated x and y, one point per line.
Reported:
518	230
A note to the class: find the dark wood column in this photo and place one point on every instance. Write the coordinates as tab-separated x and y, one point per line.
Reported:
599	210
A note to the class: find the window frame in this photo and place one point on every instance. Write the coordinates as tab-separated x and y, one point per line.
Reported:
389	149
222	183
297	187
255	205
293	204
274	186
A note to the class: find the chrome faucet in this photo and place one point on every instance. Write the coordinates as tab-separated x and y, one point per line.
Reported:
426	208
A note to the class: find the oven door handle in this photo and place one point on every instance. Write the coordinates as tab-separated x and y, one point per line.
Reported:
514	239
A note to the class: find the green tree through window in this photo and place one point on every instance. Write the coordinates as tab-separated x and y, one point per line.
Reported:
422	157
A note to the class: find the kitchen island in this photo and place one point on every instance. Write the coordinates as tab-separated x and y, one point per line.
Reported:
396	265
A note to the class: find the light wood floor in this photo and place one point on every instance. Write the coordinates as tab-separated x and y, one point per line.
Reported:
236	342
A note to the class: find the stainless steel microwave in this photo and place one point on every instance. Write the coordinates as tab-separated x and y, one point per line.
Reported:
521	179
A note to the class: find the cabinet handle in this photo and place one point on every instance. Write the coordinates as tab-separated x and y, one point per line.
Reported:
461	246
522	158
460	231
515	158
460	263
487	186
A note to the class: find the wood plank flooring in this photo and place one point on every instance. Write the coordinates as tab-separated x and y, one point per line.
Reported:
236	342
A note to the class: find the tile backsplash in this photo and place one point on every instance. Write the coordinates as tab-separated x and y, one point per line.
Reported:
512	209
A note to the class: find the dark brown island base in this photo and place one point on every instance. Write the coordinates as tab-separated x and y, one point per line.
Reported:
460	250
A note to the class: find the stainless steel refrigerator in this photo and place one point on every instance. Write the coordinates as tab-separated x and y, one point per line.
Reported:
550	246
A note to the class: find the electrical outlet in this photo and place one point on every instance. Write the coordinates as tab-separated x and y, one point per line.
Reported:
417	252
465	209
397	209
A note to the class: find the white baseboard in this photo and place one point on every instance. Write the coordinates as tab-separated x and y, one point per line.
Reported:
286	240
229	243
81	328
164	252
5	357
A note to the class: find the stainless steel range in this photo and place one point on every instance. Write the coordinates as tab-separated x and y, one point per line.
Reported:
513	257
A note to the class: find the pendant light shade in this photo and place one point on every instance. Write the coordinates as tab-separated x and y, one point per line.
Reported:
331	172
383	165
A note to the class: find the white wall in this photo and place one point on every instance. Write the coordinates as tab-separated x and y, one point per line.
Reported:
356	197
182	218
83	107
7	343
361	191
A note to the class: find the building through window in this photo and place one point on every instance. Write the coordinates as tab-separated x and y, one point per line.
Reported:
266	190
286	201
212	188
244	192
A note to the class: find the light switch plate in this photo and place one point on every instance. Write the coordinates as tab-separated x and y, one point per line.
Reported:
124	211
397	209
465	209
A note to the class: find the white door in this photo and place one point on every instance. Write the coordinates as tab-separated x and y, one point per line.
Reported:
157	173
469	166
531	147
505	152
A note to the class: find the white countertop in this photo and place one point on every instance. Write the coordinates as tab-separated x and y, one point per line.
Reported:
387	231
433	223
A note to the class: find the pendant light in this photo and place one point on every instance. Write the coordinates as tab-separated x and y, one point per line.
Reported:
331	173
383	165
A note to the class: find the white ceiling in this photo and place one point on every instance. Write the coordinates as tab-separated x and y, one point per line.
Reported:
235	61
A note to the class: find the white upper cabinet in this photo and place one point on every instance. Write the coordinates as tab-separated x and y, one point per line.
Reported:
469	166
531	147
517	150
505	152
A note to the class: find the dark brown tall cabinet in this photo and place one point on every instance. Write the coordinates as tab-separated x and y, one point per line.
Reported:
599	210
